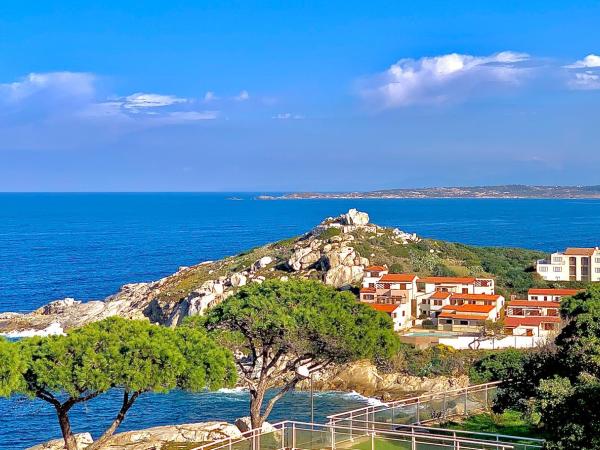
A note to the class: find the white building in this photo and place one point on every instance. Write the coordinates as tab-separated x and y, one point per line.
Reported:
372	274
465	318
399	312
574	264
532	317
458	285
550	295
431	305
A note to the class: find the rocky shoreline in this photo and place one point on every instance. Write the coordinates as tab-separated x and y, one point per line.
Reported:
326	253
361	377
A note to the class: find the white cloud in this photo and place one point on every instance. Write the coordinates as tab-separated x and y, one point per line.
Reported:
287	116
585	81
69	96
69	84
444	78
585	73
140	101
589	61
190	116
242	96
210	96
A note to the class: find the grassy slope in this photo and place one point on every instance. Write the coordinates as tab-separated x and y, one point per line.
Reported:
508	423
512	267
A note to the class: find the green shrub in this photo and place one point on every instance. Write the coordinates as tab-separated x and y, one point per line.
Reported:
329	233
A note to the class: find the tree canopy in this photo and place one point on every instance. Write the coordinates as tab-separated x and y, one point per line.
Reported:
133	356
562	383
280	326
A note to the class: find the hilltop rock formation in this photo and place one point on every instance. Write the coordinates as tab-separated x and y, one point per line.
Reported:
327	253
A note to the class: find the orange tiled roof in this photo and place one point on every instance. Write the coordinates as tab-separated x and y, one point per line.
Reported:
575	251
384	307
440	295
469	308
398	277
375	268
534	303
368	290
512	322
553	291
457	280
476	296
463	316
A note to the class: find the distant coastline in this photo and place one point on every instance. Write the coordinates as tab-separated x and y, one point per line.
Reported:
513	191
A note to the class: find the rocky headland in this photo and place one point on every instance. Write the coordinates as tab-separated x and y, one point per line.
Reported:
327	253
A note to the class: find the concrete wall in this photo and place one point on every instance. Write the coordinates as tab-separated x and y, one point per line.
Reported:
462	342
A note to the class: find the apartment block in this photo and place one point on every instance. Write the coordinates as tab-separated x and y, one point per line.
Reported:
574	264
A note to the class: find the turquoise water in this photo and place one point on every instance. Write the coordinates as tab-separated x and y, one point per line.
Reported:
87	245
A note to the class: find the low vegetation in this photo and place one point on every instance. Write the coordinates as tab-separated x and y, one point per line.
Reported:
559	384
513	268
134	357
276	328
512	423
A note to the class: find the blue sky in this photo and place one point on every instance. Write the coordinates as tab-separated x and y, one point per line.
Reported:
278	96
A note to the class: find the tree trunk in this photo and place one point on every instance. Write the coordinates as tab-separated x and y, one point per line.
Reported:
256	399
65	428
127	403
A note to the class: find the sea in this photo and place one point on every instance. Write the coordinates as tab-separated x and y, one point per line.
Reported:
57	245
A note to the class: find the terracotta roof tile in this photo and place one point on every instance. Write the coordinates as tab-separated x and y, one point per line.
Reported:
476	296
456	280
384	307
512	322
469	308
398	277
575	251
534	303
562	292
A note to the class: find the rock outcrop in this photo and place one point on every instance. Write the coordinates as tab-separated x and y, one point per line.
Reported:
244	424
328	253
155	438
82	439
364	378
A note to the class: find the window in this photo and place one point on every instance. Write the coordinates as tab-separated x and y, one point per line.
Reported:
464	322
558	269
597	270
557	260
534	297
543	269
403	313
421	287
597	260
448	321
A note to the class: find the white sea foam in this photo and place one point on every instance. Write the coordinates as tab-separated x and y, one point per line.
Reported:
371	401
52	329
235	390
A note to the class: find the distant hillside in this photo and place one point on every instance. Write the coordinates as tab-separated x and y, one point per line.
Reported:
502	191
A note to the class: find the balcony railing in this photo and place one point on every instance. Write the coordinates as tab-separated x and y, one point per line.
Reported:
310	436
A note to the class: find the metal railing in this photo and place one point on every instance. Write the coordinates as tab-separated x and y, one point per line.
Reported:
310	436
424	408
